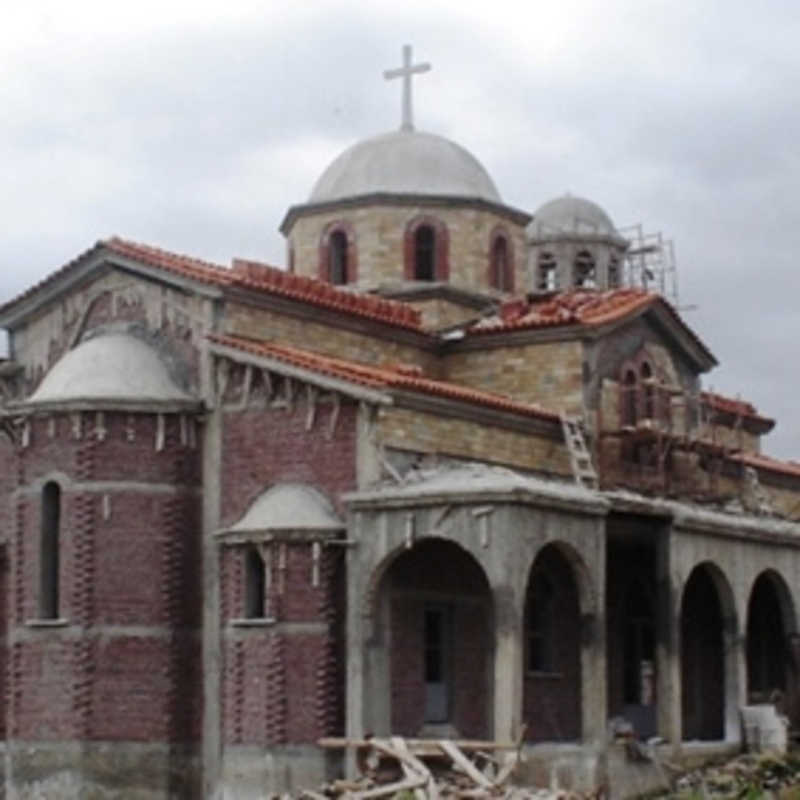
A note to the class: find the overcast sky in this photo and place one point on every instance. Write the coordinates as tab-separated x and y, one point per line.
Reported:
193	126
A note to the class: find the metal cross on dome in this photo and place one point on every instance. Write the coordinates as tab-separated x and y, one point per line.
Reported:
405	72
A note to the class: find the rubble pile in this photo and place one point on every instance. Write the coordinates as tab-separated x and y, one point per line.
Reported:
750	776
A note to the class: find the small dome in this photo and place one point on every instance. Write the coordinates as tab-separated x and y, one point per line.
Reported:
405	162
289	507
115	367
570	214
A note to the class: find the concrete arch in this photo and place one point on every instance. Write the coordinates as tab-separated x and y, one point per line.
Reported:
769	628
587	595
433	642
784	596
370	598
710	652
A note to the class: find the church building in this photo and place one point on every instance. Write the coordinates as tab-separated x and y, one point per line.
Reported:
452	473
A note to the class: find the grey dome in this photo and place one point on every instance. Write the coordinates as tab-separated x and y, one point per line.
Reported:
405	162
115	367
289	507
570	214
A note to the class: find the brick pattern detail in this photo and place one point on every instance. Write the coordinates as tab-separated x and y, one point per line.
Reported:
277	706
329	673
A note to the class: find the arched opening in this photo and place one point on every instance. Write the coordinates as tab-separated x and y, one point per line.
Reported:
437	611
337	258
425	253
500	272
547	273
254	584
552	686
585	270
49	551
703	681
767	639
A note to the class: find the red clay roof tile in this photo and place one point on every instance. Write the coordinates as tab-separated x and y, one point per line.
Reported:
249	274
575	307
760	461
256	275
384	377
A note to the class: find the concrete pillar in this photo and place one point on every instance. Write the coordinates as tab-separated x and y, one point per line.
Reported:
594	662
508	665
668	665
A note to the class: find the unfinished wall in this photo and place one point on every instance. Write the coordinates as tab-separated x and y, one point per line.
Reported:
119	662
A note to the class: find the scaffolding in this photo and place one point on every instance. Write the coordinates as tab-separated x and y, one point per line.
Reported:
650	262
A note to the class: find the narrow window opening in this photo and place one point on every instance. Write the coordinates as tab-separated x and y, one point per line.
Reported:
629	398
337	258
585	272
649	404
501	266
613	273
547	273
255	585
425	253
48	554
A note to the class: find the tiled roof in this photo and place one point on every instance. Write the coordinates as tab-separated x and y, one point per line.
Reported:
575	307
381	377
255	275
760	461
248	274
730	405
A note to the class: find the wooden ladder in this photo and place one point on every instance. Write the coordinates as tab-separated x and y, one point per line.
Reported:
579	456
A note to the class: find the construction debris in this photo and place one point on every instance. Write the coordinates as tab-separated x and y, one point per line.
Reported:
415	769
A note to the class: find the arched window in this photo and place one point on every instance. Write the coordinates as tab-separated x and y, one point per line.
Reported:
426	250
613	273
648	391
49	551
501	270
547	273
629	398
337	254
425	253
254	585
585	271
337	258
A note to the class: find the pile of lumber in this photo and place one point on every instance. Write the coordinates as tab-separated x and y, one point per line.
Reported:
415	769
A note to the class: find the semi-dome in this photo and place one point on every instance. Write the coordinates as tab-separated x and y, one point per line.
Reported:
115	368
405	162
570	214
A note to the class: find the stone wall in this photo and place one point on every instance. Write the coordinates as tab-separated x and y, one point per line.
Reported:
407	429
364	346
549	374
379	231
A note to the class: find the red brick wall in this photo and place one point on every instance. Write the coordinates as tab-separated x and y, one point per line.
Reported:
283	682
125	664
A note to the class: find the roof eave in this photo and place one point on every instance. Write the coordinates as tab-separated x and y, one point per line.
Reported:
391	198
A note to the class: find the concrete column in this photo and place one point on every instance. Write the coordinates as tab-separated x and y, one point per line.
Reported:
733	642
594	663
212	649
508	665
668	665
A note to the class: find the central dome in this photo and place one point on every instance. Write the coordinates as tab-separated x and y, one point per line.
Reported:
405	162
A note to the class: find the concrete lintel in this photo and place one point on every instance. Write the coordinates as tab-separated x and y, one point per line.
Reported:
390	499
26	407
